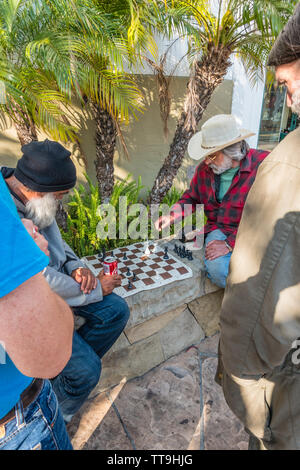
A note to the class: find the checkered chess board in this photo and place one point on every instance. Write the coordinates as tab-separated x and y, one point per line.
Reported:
151	270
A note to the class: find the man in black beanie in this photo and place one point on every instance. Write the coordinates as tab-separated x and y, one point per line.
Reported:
259	354
43	175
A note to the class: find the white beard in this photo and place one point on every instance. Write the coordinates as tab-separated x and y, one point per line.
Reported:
42	210
296	102
227	164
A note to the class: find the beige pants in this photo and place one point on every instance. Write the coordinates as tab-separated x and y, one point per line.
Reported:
268	406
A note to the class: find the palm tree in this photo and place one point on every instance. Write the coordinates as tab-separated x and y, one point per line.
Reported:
86	49
129	37
246	28
32	99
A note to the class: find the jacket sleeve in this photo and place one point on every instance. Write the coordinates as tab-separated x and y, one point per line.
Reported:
231	238
67	288
73	262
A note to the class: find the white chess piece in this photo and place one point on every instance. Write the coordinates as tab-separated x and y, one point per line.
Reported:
154	250
147	251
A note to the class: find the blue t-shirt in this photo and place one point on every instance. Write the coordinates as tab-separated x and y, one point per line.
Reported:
20	259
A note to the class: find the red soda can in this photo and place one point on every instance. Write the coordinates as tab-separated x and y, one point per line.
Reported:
110	266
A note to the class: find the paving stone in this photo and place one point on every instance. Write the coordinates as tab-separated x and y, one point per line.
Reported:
209	346
149	327
222	430
161	409
96	426
179	334
206	310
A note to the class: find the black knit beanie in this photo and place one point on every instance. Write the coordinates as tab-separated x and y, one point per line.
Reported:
46	167
286	48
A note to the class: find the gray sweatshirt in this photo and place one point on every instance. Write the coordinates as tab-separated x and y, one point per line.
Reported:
63	261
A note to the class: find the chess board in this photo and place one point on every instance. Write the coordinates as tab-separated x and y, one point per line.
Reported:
151	270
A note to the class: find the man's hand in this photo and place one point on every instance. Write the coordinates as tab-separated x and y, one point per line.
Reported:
214	249
164	221
33	231
108	283
85	278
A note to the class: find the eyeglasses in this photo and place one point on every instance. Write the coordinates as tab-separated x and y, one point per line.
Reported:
211	158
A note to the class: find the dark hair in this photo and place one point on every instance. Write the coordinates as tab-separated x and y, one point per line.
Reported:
286	48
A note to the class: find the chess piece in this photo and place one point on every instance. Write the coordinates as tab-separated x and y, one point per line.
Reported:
190	256
176	249
129	286
147	251
125	257
166	256
183	239
128	272
134	277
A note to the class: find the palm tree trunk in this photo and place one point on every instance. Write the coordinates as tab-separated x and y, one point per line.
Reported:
24	126
208	73
106	134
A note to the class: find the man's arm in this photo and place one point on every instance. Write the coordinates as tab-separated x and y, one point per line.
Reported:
70	290
36	328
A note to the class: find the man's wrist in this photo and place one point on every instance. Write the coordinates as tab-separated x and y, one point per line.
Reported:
228	246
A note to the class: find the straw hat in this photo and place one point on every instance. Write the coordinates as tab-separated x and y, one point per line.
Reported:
217	133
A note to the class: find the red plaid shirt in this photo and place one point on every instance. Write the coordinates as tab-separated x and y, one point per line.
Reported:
224	215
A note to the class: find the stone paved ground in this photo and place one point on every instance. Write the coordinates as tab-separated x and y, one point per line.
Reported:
175	406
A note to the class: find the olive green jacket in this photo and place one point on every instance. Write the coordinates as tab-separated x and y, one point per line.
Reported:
260	315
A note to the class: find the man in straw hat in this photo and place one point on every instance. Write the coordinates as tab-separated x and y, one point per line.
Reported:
259	360
221	183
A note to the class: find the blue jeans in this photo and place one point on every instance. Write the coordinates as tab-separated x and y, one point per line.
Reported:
105	321
40	426
217	270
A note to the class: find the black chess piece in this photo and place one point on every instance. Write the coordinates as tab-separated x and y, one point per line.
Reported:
176	249
125	257
129	286
190	256
183	252
134	277
166	256
183	239
128	272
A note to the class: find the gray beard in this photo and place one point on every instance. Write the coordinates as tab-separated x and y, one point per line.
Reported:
42	210
227	164
296	102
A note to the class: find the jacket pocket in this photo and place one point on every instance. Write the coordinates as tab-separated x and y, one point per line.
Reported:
247	399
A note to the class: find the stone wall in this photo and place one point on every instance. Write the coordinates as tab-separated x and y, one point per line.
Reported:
163	322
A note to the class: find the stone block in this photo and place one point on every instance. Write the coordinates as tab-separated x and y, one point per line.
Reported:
129	362
152	326
180	333
210	287
122	342
206	310
154	302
